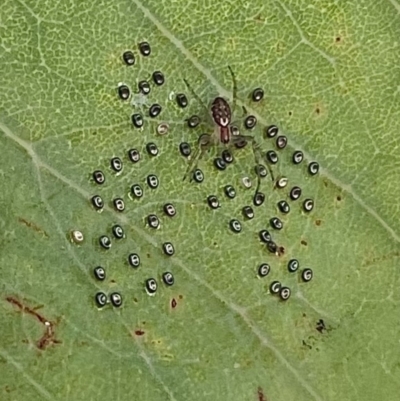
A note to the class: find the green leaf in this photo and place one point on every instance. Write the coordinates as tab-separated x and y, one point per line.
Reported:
330	75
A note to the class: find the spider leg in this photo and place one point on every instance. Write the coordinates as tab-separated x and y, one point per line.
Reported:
197	97
256	153
204	144
234	90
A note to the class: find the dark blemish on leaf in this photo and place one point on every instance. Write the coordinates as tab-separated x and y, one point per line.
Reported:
260	394
135	300
259	18
48	336
281	251
148	255
338	198
318	222
290	113
317	110
303	242
173	303
180	296
338	39
33	226
112	281
320	326
139	332
306	345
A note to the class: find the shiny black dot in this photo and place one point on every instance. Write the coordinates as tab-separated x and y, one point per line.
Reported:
275	287
271	131
284	293
276	223
158	78
213	202
137	120
97	202
119	204
182	100
235	226
219	163
281	142
116	299
152	221
128	58
144	87
240	142
145	48
118	231
184	148
230	192
234	130
293	265
152	181
168	248
265	236
101	299
99	177
134	155
297	157
227	156
261	171
272	157
105	242
99	273
123	92
134	260
272	247
250	122
169	209
155	110
193	121
295	193
307	275
116	164
313	168
308	205
257	95
284	206
151	286
198	175
248	212
136	191
152	149
168	278
282	182
258	199
264	269
204	140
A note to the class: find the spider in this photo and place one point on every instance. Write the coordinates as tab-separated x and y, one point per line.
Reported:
221	114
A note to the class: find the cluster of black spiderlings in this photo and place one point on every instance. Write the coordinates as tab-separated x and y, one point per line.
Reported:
269	157
133	156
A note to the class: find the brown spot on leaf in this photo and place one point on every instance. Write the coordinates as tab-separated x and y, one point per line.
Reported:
139	332
173	303
48	337
260	394
338	198
32	226
303	242
318	222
